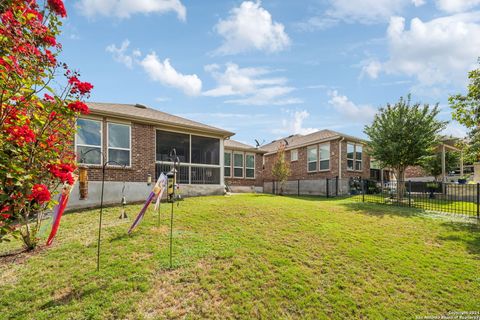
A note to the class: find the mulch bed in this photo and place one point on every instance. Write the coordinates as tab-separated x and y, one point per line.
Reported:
20	256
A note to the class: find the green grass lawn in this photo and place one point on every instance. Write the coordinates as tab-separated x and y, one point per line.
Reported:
251	256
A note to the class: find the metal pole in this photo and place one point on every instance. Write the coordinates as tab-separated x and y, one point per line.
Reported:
336	186
100	221
171	235
478	200
363	189
328	189
298	187
409	193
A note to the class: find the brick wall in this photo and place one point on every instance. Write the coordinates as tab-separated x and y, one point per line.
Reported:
299	168
246	182
143	156
414	172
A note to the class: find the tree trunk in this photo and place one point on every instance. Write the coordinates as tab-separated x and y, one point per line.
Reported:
400	183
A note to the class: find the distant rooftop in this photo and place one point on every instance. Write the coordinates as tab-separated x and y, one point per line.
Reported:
237	145
298	140
145	114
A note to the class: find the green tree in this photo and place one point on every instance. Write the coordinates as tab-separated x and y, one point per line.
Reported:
37	120
466	110
402	134
281	168
432	164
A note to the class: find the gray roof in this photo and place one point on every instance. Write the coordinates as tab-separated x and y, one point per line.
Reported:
237	145
298	140
142	113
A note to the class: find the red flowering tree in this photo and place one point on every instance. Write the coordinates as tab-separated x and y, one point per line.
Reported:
37	120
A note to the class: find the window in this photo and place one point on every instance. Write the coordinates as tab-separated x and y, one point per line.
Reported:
205	150
238	165
227	164
165	141
358	157
354	156
294	155
324	156
119	143
89	141
312	159
250	166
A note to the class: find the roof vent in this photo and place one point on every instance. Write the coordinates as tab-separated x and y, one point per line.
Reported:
141	106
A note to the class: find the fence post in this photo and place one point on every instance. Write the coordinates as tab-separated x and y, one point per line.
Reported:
336	186
273	186
362	181
478	200
328	189
409	193
298	187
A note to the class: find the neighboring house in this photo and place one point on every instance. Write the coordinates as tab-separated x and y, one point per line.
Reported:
447	144
141	138
324	154
243	167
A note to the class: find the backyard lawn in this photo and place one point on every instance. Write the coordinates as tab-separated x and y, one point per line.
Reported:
251	256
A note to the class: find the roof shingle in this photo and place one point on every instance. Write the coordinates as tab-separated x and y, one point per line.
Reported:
145	114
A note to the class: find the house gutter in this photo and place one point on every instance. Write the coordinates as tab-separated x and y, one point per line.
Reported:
340	158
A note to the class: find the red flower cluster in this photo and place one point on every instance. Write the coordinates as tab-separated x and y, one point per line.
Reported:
21	134
51	41
79	106
5	216
79	87
63	171
58	7
40	193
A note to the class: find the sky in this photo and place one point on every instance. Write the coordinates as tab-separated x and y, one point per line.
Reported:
269	69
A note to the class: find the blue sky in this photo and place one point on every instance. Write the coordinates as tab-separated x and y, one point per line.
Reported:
273	68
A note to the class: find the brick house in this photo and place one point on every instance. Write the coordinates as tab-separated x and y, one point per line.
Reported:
243	167
324	154
141	138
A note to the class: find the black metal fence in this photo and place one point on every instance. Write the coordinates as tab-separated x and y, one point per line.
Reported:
319	187
432	196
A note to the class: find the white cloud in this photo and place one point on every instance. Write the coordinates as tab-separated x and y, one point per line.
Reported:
250	27
157	70
455	6
456	130
365	11
294	123
126	8
350	110
252	86
164	73
418	3
120	54
437	52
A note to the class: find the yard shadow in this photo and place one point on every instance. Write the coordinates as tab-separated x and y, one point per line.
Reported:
380	209
471	242
67	297
316	198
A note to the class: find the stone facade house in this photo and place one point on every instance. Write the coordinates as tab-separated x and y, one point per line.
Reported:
243	167
324	154
136	141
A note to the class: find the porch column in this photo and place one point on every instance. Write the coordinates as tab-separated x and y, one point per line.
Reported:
444	175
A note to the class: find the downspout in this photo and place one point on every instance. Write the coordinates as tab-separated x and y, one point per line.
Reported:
340	158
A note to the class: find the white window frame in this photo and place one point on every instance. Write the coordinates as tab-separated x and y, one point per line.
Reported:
316	158
231	162
245	170
319	156
116	148
237	167
89	145
294	152
354	159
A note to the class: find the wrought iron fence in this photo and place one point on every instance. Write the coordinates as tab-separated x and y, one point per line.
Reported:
433	196
318	187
